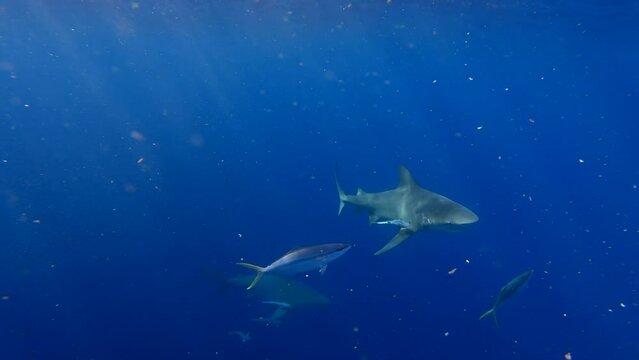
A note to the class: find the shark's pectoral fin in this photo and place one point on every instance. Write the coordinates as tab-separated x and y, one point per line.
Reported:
402	235
322	270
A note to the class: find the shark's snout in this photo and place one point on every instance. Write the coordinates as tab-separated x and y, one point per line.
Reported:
465	217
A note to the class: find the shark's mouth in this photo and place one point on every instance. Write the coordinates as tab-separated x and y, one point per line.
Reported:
398	222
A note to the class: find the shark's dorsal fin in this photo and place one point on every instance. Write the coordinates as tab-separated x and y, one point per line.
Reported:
405	177
360	191
293	249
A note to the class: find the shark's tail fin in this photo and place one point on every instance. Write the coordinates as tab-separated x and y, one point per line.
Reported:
258	276
492	313
342	194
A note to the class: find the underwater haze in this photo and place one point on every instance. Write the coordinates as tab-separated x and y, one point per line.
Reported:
148	146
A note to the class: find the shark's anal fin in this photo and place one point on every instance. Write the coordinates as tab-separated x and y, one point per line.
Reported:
402	235
322	270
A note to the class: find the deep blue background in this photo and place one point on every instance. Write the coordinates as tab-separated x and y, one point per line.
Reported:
245	106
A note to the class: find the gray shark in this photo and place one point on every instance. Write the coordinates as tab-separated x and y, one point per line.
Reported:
408	206
506	292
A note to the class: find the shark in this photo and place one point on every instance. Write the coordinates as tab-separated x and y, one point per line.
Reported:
271	288
408	206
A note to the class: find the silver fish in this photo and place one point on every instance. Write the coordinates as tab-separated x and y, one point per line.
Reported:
506	292
244	336
300	260
275	318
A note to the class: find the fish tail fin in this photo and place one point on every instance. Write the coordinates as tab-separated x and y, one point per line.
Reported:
340	191
260	272
492	313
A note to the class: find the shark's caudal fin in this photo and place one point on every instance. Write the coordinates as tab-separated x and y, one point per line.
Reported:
342	194
258	276
402	235
492	313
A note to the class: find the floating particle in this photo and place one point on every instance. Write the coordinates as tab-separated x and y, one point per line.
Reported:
239	235
140	160
480	127
581	161
622	305
506	89
6	297
470	78
136	135
531	120
435	81
446	333
130	188
567	356
135	5
452	271
467	261
356	329
36	221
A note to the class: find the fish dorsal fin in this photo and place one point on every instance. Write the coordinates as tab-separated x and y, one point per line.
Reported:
405	178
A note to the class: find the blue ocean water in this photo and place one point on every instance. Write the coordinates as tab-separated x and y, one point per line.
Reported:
148	146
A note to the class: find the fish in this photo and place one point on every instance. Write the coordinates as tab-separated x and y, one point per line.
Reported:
276	316
511	288
244	336
408	206
300	260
